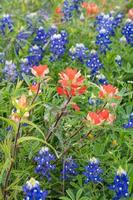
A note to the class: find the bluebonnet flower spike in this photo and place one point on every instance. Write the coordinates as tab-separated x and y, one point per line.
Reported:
120	184
32	191
93	171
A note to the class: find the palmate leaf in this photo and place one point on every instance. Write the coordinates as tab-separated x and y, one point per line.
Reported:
32	138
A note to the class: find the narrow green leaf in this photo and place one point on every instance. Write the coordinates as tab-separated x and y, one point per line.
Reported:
34	126
30	138
70	194
5	167
79	193
10	122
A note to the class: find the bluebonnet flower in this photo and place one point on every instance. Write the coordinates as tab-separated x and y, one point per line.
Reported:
94	101
25	67
108	22
2	57
117	20
21	40
79	52
105	22
93	171
52	30
127	31
32	191
6	23
58	45
94	62
35	56
102	79
120	184
123	40
69	168
129	123
69	6
118	60
106	25
45	164
40	37
67	10
103	40
10	71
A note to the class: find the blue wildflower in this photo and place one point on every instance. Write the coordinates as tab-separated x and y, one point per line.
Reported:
45	164
102	79
69	6
58	45
40	37
25	67
6	23
118	60
94	62
32	191
123	40
93	171
103	41
10	71
79	52
117	20
129	123
94	101
35	56
127	31
52	30
69	168
120	184
2	57
21	40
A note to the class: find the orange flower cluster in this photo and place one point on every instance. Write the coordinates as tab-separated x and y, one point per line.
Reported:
34	89
91	8
108	91
97	118
21	105
40	71
130	14
71	83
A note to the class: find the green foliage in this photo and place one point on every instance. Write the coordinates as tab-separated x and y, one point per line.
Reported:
111	144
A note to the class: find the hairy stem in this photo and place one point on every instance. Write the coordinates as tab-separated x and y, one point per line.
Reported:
12	161
33	100
58	118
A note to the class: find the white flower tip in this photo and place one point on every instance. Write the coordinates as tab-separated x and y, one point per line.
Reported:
121	171
32	183
93	160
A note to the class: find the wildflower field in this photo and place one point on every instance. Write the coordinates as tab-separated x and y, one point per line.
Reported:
66	99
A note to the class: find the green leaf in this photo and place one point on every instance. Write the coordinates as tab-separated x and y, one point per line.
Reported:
65	198
79	193
84	198
30	138
26	78
4	168
70	194
10	122
33	125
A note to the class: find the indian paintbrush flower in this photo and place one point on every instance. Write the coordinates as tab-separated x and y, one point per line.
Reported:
72	83
40	71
